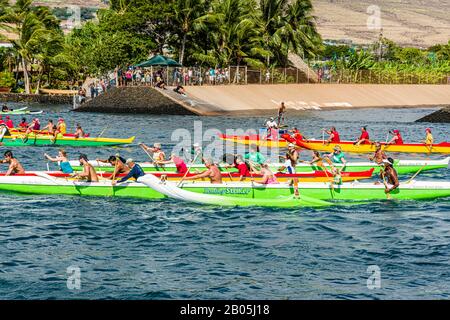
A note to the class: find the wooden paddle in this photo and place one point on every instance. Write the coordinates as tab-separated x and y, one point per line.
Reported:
189	169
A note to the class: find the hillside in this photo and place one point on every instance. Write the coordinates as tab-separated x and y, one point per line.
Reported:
419	23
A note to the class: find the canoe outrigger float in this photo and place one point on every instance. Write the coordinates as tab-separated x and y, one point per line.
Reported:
253	194
346	146
402	166
20	111
18	140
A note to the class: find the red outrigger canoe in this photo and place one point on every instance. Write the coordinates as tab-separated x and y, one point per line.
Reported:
315	176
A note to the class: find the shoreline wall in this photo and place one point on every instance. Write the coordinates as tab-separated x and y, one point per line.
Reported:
36	98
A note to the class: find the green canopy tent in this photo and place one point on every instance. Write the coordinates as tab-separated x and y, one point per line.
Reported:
159	60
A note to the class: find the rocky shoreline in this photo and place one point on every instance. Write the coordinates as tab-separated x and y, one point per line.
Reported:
440	116
36	98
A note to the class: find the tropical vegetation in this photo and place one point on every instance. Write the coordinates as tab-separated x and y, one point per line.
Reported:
259	34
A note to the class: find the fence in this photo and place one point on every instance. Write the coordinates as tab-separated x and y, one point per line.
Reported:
245	75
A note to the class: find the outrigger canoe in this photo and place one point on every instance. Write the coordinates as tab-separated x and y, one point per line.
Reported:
47	140
346	146
316	176
351	191
402	166
20	111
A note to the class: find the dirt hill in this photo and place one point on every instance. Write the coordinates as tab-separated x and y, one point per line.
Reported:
419	23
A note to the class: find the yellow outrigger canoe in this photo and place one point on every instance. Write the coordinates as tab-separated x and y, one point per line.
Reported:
346	146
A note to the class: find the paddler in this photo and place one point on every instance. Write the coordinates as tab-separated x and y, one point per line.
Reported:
333	135
197	153
337	156
212	172
88	170
429	137
79	133
254	156
364	137
296	136
389	175
241	166
61	127
23	124
119	165
293	153
50	127
270	125
14	165
9	122
289	165
268	177
178	162
5	108
397	137
281	112
135	172
379	154
158	155
64	163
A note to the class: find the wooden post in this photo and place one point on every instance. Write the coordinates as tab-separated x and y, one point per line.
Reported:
260	76
296	78
246	71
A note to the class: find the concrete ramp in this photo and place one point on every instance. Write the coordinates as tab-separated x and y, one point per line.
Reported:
262	99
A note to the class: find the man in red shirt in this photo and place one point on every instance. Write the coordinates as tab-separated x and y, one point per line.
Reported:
334	136
23	124
364	138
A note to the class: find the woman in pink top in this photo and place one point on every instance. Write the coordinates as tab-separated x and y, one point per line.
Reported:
179	163
268	176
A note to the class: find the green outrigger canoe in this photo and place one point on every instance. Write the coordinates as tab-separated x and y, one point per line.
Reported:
402	166
247	193
47	140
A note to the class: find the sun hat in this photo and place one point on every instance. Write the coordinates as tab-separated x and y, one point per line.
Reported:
291	145
196	145
157	145
129	161
428	129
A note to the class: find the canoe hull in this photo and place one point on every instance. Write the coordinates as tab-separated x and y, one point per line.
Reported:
45	140
402	167
322	191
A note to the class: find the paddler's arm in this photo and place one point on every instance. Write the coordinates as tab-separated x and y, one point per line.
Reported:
204	174
51	159
11	168
102	160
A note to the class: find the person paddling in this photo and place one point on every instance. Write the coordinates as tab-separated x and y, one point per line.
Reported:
337	156
158	154
281	113
14	165
9	122
135	172
23	124
379	154
64	163
119	165
333	135
89	172
254	156
268	177
79	133
50	127
178	162
212	172
389	175
429	140
397	137
241	166
363	138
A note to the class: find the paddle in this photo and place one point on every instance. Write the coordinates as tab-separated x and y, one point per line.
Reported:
153	161
415	175
48	177
383	174
189	168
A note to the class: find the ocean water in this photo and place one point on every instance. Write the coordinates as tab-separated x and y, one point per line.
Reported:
141	249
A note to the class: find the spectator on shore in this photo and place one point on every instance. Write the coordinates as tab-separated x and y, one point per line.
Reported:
180	90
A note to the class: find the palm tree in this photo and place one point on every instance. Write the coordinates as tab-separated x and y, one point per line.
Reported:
187	13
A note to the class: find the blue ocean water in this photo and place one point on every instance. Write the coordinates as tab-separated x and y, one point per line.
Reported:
141	249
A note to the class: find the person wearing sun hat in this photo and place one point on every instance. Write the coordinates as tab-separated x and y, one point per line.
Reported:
337	156
158	154
429	137
397	138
